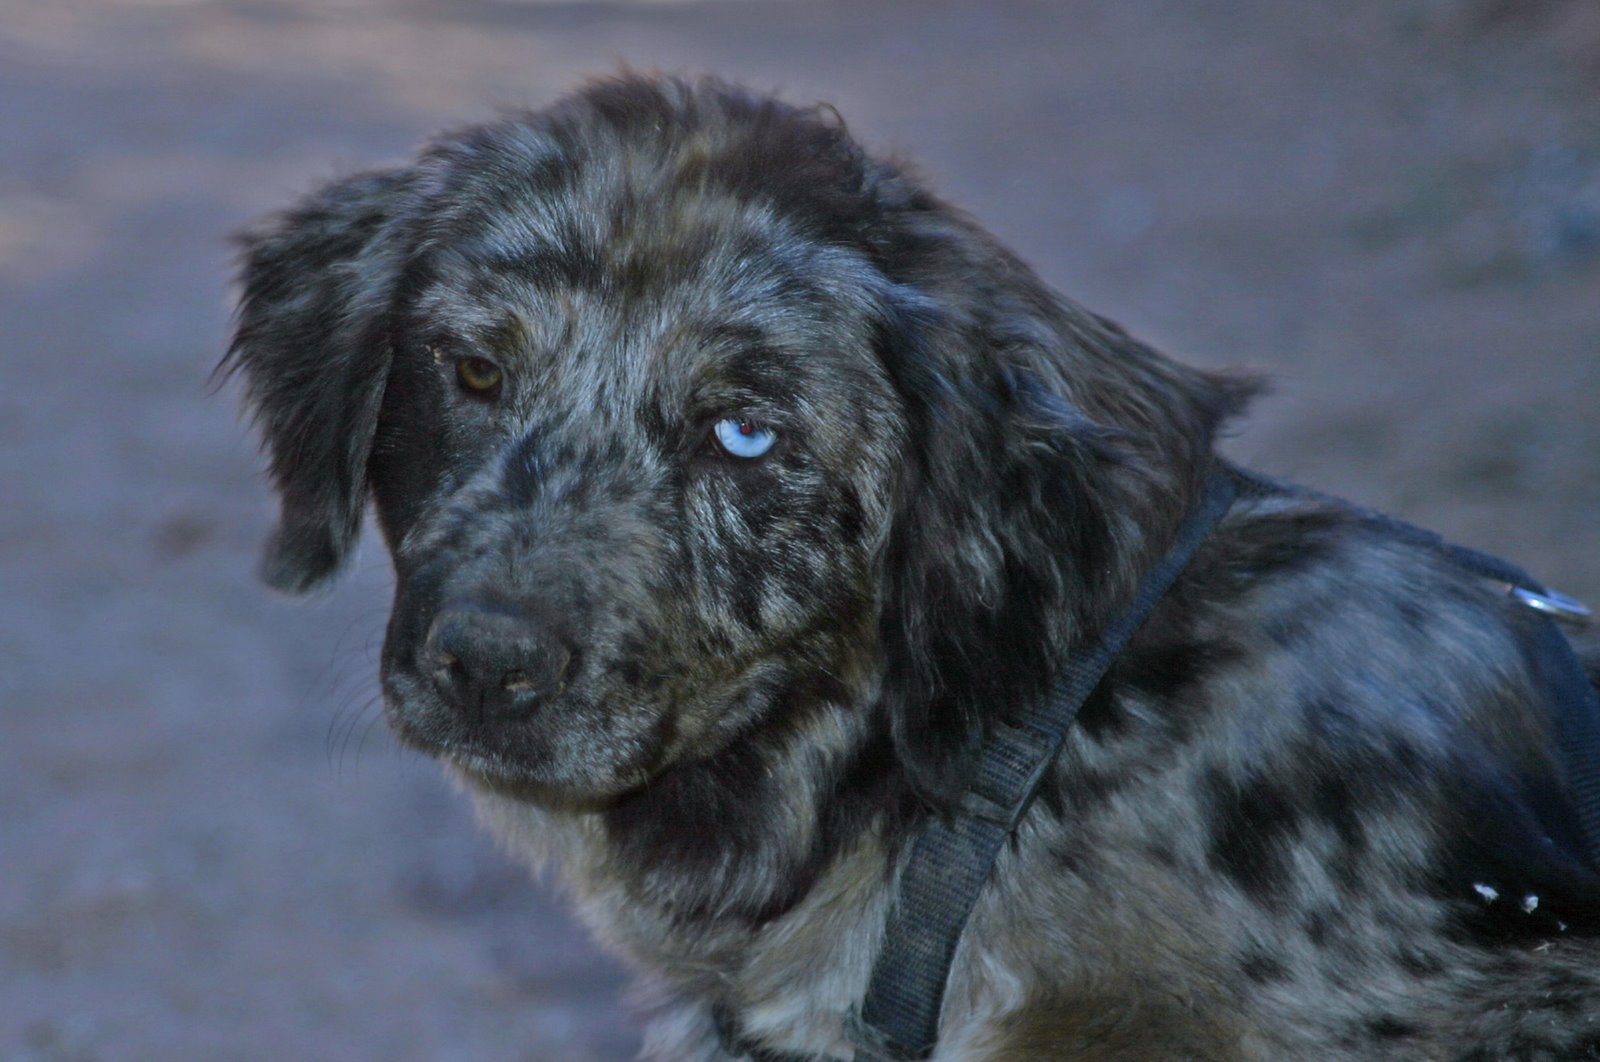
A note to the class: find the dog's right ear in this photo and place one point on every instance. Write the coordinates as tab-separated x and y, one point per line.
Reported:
310	338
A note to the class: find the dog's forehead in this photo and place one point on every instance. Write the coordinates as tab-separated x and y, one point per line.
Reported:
606	288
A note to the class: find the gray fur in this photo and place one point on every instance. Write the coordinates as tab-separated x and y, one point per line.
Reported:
1274	833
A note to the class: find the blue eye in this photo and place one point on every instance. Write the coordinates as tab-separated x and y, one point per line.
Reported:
742	437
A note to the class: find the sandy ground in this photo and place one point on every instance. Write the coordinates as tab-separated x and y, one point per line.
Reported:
210	848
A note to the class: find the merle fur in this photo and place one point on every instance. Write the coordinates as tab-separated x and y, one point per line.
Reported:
1266	836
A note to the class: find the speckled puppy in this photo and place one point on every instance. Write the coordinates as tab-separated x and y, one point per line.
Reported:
736	484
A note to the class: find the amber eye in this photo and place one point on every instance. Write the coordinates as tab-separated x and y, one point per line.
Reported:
480	376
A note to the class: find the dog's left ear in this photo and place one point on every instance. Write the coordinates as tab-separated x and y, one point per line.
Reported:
986	531
310	339
1025	518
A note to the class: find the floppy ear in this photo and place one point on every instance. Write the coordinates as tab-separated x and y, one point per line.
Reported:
989	538
309	337
1024	520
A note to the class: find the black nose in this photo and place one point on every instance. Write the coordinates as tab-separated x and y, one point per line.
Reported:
495	660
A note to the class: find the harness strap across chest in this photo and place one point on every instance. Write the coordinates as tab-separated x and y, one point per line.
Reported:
952	858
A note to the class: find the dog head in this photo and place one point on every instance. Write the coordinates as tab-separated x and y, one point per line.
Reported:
679	413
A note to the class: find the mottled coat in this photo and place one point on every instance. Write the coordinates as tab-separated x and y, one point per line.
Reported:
1312	813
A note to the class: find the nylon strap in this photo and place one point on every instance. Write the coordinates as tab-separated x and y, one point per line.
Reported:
952	857
1575	711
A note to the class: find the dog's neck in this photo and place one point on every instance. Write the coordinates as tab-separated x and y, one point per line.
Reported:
736	837
760	892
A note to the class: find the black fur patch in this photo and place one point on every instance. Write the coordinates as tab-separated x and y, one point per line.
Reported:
1251	825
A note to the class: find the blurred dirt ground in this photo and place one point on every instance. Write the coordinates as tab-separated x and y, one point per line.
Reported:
210	848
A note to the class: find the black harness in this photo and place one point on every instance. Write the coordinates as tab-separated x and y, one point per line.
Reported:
953	856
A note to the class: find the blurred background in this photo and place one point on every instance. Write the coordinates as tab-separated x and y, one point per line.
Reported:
210	847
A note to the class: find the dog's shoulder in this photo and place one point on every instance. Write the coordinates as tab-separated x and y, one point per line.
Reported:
1361	678
1335	740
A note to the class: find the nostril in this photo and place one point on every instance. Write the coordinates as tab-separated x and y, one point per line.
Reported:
449	668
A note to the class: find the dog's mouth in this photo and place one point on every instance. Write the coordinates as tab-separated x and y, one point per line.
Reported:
586	748
571	750
546	780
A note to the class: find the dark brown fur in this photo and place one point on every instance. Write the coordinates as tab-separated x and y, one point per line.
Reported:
745	681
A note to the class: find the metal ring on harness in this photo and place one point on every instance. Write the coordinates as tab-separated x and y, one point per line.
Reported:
1553	603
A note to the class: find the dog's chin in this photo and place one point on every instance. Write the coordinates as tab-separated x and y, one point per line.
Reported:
530	786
